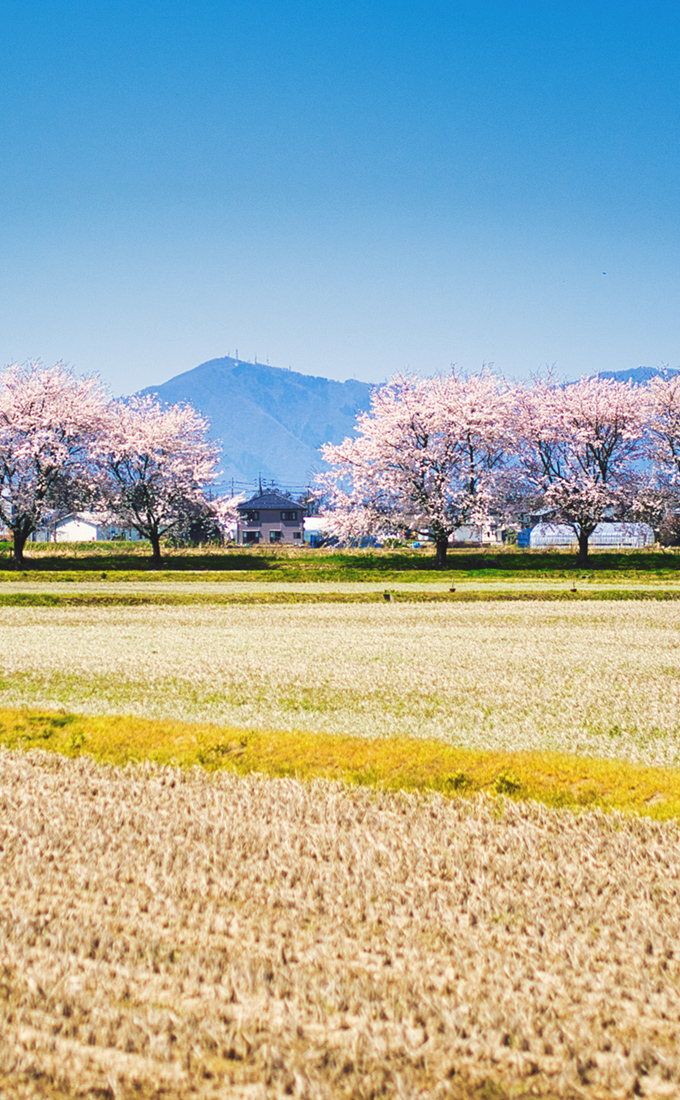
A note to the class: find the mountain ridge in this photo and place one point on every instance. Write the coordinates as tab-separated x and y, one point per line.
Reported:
270	421
638	375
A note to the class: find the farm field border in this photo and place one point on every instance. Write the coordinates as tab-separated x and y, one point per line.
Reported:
212	584
340	579
96	593
396	763
278	599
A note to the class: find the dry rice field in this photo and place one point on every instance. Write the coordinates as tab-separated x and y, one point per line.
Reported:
175	934
601	678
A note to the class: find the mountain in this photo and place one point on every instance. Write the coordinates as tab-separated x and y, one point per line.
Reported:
270	421
639	375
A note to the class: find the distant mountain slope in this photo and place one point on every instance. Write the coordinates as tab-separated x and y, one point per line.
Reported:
639	375
270	422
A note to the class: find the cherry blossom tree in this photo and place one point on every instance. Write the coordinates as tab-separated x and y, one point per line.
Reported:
226	515
664	443
430	453
48	421
664	425
156	463
578	448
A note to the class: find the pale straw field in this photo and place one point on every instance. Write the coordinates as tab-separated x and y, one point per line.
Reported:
599	678
176	934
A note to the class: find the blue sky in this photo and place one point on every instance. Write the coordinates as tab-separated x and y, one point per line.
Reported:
351	189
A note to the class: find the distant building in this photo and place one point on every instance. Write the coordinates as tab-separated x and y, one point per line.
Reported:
317	529
269	519
607	535
475	535
84	527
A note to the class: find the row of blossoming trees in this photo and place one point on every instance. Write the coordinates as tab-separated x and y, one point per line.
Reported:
65	446
432	452
441	452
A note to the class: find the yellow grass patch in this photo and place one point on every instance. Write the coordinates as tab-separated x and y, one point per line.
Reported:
398	763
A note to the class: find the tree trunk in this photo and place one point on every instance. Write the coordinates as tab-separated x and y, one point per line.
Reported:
19	538
155	540
442	545
582	558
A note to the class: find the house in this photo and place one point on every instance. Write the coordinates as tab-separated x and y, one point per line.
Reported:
269	518
83	527
482	534
607	535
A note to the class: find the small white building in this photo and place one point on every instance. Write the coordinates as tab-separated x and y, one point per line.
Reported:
481	534
77	529
606	536
85	527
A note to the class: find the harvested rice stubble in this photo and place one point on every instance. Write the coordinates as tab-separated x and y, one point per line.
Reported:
180	934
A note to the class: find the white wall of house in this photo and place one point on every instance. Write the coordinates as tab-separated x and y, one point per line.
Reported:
77	530
483	533
318	526
85	528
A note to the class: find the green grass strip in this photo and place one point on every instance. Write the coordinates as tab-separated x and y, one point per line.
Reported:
298	564
180	599
398	763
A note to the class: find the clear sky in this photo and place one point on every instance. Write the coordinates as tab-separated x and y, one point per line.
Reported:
349	188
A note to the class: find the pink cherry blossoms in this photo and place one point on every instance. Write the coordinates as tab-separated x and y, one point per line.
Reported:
430	453
155	464
66	446
577	450
439	452
49	419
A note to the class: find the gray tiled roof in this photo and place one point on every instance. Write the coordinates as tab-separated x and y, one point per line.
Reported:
269	500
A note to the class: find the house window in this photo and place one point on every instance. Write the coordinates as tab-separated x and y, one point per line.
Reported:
252	517
289	515
275	536
251	536
297	534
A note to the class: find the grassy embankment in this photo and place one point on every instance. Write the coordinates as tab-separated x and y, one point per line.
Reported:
177	599
471	576
397	763
293	563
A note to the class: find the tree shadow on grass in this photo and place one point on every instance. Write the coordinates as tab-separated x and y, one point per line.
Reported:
307	564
